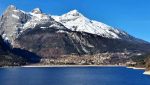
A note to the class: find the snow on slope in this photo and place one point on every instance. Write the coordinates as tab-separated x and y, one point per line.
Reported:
77	22
36	19
73	20
39	18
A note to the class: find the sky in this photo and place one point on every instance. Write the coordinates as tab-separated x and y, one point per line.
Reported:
132	16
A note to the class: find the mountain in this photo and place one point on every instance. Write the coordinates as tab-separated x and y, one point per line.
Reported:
72	34
77	22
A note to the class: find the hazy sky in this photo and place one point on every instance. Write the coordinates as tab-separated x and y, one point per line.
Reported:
132	16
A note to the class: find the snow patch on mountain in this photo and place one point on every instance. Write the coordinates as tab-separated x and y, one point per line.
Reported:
15	16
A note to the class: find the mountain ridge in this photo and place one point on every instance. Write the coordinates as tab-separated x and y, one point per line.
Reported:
83	25
72	34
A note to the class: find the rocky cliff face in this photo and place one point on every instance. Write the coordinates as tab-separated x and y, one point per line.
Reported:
69	34
11	22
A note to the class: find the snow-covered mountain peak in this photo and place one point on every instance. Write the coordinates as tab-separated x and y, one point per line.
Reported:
11	10
15	21
78	22
37	11
18	21
11	7
36	19
73	13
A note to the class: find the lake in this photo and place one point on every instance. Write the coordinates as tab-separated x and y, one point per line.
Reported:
73	76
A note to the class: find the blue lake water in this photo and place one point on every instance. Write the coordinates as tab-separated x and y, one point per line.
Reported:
73	76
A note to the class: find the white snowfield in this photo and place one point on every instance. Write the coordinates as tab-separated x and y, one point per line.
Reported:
77	22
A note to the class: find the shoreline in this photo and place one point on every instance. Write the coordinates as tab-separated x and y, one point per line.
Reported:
72	66
34	66
136	68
